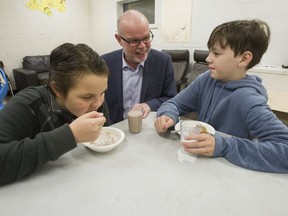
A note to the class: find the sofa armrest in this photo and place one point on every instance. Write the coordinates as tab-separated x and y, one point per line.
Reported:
24	78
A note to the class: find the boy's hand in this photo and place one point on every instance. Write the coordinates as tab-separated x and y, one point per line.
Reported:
162	123
205	144
87	127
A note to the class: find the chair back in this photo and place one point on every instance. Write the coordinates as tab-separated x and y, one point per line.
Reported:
200	56
180	60
200	65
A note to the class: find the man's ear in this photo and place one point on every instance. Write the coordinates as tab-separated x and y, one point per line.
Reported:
56	90
118	38
245	59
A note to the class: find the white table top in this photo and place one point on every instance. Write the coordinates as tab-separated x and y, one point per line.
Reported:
143	176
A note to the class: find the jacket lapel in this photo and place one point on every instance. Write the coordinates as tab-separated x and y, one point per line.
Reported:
119	76
147	73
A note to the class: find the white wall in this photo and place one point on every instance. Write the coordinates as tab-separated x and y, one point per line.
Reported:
25	32
206	14
103	25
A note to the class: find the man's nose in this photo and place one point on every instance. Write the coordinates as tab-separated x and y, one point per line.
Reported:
141	44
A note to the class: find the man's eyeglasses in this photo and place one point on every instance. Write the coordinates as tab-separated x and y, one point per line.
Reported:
136	42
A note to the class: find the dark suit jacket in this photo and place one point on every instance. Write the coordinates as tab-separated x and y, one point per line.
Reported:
158	83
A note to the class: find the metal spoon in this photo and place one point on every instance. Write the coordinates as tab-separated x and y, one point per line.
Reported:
174	131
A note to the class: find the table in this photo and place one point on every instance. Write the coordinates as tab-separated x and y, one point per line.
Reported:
143	176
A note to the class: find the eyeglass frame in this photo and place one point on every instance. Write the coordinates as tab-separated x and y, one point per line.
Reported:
151	35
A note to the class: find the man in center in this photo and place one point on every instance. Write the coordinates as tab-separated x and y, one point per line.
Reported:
140	77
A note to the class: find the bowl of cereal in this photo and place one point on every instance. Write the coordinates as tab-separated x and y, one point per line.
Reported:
109	138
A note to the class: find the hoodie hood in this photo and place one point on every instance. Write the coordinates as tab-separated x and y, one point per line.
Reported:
250	81
218	94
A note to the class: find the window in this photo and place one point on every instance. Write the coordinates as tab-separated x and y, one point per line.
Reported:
147	7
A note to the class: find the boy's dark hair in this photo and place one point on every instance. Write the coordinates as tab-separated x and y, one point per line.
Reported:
242	36
69	61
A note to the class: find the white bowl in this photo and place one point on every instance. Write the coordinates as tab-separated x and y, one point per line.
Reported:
109	138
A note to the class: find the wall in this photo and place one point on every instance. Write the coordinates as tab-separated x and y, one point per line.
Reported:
26	32
206	14
275	80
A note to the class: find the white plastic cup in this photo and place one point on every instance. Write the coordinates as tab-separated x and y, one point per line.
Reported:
187	128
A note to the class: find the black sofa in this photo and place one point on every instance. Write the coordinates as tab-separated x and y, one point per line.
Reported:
34	71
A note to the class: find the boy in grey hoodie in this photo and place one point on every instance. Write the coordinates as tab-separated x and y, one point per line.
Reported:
233	102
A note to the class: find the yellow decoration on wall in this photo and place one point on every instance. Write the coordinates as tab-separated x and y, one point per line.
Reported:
46	6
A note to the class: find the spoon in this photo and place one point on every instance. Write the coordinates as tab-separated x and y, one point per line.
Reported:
174	131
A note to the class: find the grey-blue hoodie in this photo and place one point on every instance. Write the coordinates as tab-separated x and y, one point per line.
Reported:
259	139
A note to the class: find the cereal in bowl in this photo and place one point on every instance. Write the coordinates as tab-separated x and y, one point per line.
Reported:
106	138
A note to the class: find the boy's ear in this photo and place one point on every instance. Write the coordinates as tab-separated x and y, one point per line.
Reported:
55	90
246	58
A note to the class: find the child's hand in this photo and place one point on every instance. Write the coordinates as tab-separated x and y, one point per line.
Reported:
162	123
87	127
205	144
